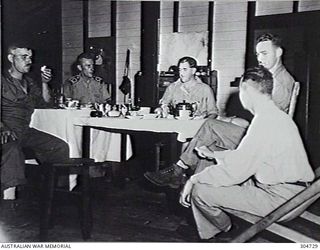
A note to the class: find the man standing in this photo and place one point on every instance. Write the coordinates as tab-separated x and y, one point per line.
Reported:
191	89
271	156
223	133
20	94
86	87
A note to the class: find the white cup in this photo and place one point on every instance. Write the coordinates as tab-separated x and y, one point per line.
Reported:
73	103
144	110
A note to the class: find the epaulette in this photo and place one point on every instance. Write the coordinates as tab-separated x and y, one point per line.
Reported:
98	79
74	79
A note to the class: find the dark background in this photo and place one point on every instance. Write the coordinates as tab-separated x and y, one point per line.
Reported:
38	25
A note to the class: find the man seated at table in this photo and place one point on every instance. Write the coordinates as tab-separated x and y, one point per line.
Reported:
20	94
226	133
86	87
191	89
269	166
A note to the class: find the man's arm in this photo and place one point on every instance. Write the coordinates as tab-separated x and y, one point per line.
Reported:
46	77
282	89
167	96
235	166
105	92
211	105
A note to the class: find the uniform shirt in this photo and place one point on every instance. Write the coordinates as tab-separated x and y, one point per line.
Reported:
17	103
200	93
283	84
91	90
272	151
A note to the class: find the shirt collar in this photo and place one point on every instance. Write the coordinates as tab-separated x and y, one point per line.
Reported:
276	69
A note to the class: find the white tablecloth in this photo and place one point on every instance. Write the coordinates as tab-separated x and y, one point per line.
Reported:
60	123
184	128
104	146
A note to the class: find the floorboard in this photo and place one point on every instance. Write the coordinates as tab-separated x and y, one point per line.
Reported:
135	213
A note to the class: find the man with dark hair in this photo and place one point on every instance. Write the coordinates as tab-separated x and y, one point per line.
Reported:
86	87
269	53
269	166
20	94
224	132
191	89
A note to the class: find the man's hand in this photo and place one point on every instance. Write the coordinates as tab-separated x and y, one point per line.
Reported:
224	118
205	152
46	74
185	195
199	117
6	135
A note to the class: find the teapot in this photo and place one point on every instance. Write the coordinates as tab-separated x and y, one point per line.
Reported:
184	108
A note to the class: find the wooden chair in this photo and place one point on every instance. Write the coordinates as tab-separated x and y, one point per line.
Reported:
294	97
292	106
291	209
49	174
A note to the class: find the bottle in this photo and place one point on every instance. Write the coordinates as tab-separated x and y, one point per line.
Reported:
129	104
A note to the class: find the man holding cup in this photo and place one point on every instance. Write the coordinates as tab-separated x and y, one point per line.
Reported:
20	95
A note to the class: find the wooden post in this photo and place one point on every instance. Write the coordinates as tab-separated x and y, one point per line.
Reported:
291	204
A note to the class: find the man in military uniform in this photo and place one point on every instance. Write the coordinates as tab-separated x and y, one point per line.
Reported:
86	87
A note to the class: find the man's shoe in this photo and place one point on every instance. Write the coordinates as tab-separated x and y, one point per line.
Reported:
172	176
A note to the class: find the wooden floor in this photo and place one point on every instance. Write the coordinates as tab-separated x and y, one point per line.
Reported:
135	213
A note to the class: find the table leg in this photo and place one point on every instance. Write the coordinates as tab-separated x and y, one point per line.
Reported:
86	142
123	152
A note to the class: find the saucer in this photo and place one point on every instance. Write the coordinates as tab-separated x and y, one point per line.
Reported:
135	117
70	108
182	118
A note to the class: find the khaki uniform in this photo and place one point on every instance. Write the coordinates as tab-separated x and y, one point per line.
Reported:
17	108
91	90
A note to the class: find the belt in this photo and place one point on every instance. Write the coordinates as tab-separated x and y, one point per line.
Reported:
300	183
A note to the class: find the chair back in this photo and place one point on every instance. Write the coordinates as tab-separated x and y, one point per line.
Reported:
293	100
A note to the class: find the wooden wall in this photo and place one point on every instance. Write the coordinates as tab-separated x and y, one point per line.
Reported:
229	45
99	18
228	41
127	37
72	34
229	36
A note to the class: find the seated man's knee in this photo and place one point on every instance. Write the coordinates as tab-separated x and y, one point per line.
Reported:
207	195
63	149
12	147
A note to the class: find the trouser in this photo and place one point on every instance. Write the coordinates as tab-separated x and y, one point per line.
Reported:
216	135
259	199
47	148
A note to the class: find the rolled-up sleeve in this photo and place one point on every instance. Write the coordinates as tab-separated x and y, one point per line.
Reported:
211	106
105	92
167	96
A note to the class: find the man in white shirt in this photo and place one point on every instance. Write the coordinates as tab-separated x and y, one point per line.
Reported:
267	168
225	133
